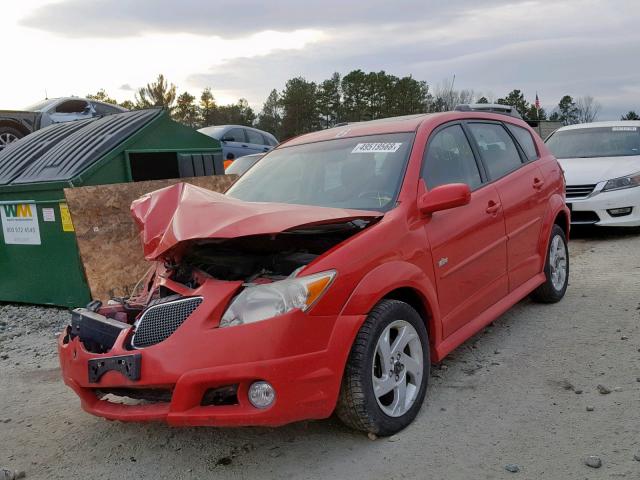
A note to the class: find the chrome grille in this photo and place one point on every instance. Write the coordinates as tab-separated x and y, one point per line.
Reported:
578	191
158	322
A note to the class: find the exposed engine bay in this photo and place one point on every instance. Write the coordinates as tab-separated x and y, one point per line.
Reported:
270	256
242	261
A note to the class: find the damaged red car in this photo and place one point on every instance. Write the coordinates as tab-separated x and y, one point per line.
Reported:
328	278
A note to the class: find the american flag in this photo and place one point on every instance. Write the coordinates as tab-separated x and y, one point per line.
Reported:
537	102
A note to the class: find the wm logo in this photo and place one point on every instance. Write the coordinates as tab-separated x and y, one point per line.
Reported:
22	210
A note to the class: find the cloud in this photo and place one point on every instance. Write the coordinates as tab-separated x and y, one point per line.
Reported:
123	18
126	87
554	58
553	47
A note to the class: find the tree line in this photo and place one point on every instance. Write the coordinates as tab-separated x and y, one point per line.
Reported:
304	106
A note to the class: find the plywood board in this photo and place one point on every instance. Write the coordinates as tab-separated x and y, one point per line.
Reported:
107	237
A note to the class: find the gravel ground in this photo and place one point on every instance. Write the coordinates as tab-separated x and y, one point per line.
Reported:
525	398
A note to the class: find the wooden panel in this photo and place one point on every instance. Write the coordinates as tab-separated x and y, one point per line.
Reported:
108	239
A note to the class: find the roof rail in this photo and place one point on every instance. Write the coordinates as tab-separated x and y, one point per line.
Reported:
488	107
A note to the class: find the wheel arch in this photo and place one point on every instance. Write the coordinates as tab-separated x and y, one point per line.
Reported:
5	122
557	214
420	304
398	280
564	222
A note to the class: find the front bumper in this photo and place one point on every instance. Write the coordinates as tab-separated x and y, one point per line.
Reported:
301	356
600	202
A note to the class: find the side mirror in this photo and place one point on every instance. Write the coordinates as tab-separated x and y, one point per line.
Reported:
444	197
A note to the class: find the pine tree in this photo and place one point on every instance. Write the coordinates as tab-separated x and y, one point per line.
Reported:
186	111
157	94
270	118
208	108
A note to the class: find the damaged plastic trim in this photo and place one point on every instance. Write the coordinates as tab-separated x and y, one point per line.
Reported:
127	365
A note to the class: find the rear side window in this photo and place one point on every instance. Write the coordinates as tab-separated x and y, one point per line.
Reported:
269	141
449	159
104	109
496	147
255	137
523	136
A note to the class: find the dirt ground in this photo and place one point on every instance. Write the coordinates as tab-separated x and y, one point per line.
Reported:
523	392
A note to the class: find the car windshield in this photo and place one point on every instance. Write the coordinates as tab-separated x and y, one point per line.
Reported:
357	173
615	141
41	105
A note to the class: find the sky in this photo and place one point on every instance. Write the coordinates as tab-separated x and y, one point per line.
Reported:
246	48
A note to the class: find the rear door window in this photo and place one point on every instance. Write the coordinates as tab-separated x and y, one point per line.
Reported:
523	136
449	159
255	137
496	148
103	109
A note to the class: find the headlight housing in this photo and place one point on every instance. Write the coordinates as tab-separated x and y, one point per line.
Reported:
262	301
622	182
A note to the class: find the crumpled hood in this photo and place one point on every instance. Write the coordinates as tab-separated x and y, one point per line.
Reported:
184	212
589	171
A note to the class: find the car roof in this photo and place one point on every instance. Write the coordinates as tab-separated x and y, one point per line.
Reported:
84	99
614	123
402	124
233	126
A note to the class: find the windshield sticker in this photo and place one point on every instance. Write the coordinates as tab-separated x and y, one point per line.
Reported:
376	147
624	129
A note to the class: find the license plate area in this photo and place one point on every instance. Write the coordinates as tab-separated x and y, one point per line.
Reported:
127	365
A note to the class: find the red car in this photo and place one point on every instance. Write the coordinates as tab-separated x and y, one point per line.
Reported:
328	278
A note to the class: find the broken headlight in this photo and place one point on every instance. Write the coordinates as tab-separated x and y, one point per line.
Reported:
263	301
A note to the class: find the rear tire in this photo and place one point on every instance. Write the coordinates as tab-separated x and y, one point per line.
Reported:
386	376
9	135
556	269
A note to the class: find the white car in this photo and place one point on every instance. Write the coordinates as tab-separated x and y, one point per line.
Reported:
601	163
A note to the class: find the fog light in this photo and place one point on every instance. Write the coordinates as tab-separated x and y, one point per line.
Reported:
619	212
261	394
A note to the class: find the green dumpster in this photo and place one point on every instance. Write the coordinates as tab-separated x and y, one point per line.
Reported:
39	259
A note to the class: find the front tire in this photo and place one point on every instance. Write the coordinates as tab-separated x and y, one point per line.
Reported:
8	135
556	269
386	376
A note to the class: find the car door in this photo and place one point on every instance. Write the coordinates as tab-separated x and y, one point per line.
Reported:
256	141
468	243
235	143
520	184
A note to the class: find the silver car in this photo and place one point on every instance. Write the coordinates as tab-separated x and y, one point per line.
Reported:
15	124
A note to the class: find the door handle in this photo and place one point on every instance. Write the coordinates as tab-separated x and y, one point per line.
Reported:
537	183
493	207
245	146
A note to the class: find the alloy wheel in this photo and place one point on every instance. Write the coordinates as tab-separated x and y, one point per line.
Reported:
7	138
558	263
398	368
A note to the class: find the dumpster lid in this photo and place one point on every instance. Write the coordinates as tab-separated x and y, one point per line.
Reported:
61	152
